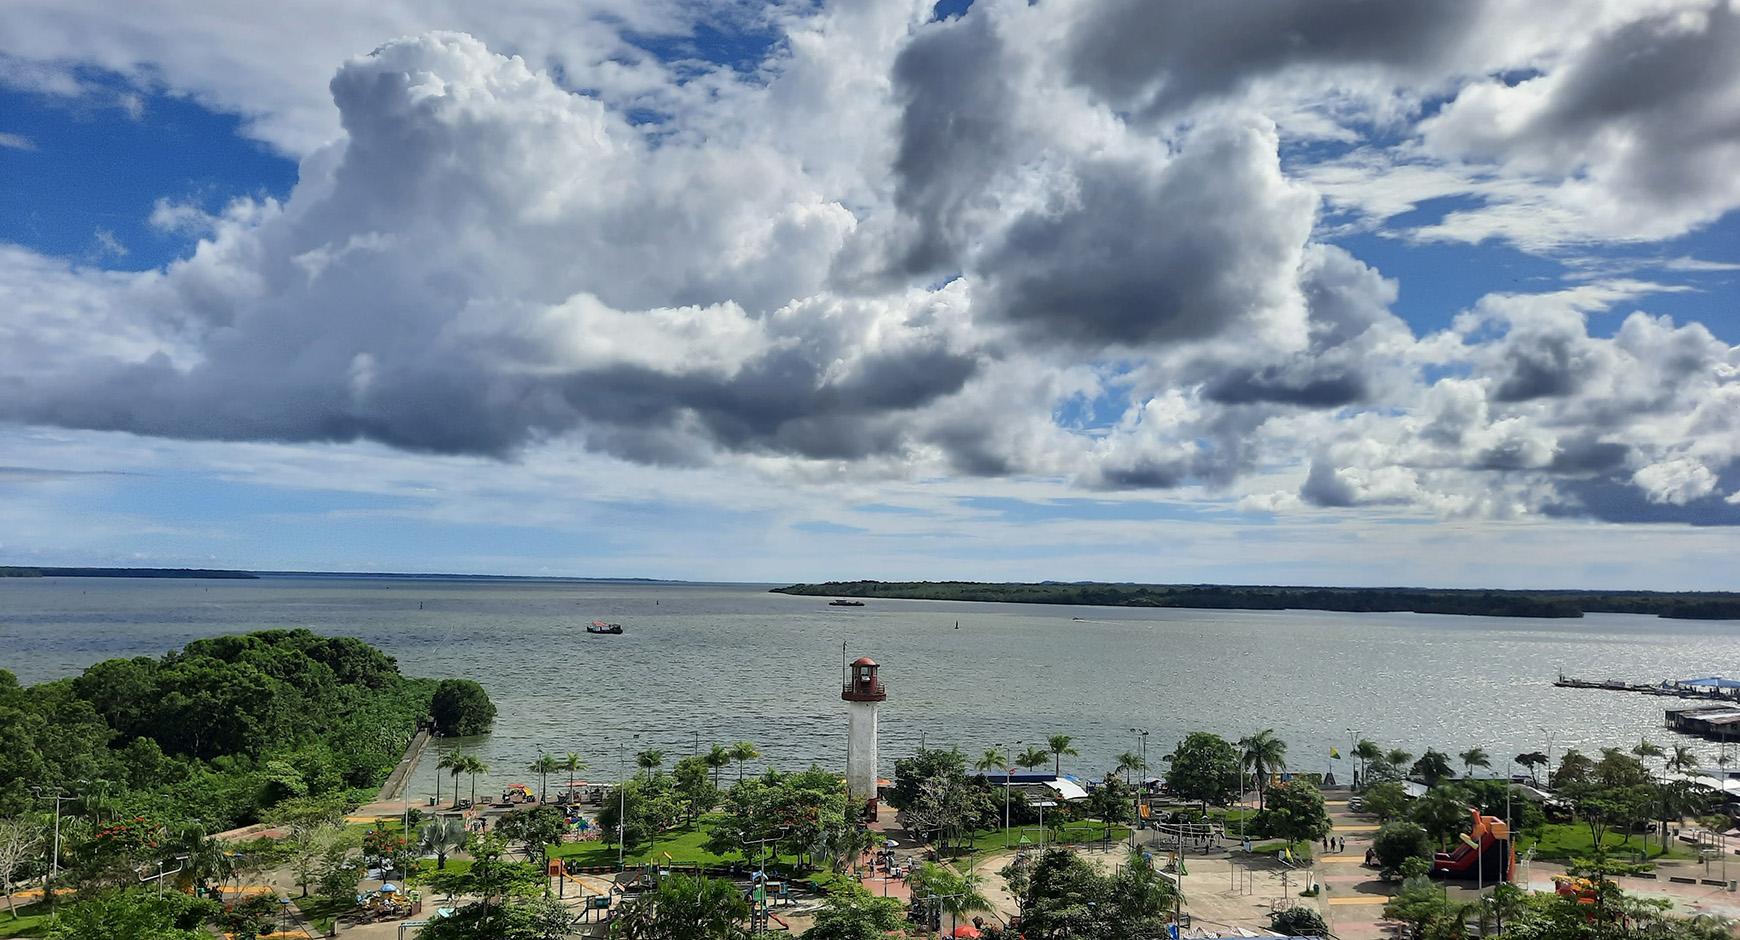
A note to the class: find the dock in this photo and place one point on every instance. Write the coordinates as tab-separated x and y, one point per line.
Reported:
1710	721
1711	689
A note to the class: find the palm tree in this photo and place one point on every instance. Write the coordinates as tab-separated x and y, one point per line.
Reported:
1059	746
1398	759
955	894
1128	761
716	760
1531	760
572	763
1433	766
743	751
1263	755
1682	759
443	835
474	766
544	766
649	760
1474	757
992	759
1031	758
454	764
1645	750
1366	750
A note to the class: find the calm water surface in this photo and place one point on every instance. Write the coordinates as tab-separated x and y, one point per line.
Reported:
727	662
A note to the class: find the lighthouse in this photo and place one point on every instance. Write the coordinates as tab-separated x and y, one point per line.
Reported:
863	692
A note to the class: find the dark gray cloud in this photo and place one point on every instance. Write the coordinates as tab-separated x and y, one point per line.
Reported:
1156	59
1540	365
1325	487
1141	254
1274	384
1616	499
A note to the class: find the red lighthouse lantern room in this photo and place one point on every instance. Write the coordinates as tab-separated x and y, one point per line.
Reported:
862	685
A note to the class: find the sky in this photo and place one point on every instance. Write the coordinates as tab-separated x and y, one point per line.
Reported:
1288	291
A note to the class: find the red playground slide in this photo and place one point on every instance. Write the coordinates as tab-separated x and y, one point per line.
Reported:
1485	853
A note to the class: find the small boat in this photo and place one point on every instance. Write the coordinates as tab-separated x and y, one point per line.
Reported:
599	626
845	603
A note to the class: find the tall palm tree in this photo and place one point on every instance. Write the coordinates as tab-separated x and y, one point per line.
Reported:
954	893
1263	755
1474	757
1682	759
650	760
544	766
572	763
743	751
474	766
1646	749
1532	760
1398	758
1032	757
716	760
1058	744
1128	761
1366	750
992	759
454	765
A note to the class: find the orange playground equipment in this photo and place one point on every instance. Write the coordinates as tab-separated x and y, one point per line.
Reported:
1486	853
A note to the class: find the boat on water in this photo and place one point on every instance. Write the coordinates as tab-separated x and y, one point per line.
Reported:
599	626
838	602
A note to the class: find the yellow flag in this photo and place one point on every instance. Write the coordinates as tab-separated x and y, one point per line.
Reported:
1334	754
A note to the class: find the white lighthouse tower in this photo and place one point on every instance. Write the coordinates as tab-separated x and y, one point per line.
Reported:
862	692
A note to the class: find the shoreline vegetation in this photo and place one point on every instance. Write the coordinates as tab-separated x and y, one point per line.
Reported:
1685	605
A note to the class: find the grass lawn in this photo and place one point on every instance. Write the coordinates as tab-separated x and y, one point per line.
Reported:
1302	849
986	841
32	920
1565	841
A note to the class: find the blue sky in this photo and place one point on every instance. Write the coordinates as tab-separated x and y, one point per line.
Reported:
631	311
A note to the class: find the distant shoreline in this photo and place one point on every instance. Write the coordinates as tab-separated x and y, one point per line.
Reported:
1675	605
226	574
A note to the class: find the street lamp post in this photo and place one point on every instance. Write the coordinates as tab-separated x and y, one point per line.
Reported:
1008	776
1142	754
58	797
622	801
1549	735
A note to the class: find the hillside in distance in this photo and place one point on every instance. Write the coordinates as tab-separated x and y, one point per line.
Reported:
1487	603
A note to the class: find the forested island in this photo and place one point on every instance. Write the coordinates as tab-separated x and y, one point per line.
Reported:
15	571
223	731
1489	603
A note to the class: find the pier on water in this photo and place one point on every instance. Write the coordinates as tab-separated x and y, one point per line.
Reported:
1718	715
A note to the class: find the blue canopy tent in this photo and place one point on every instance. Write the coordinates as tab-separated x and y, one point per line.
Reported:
1709	682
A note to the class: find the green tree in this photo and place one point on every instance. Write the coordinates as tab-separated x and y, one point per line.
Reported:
684	908
1113	802
1130	763
1533	760
650	760
533	829
1386	800
1681	759
717	758
461	708
852	913
1032	758
1063	896
1295	812
1059	745
694	786
1574	768
132	915
1443	814
992	759
743	751
1298	922
1433	767
1429	914
572	763
1474	757
1646	750
454	764
951	892
442	836
474	765
338	877
544	766
1263	754
1366	751
1396	842
1204	768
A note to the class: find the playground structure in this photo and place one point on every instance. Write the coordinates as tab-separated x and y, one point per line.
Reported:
1486	853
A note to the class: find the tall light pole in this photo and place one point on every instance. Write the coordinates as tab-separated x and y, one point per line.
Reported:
1008	777
1142	755
1352	742
622	801
54	860
1549	735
